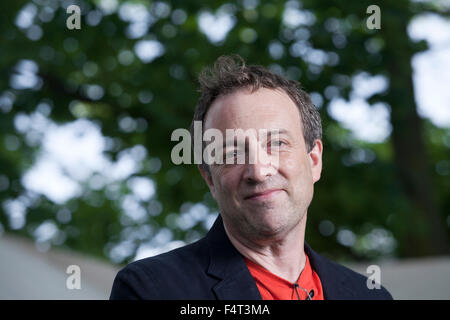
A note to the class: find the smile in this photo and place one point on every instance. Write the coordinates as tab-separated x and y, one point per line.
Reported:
264	195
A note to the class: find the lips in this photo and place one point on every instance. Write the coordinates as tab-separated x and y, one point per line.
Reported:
263	194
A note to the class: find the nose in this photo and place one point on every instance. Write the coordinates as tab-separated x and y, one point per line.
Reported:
256	173
259	166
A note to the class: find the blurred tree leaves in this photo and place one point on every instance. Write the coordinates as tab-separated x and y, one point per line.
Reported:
365	204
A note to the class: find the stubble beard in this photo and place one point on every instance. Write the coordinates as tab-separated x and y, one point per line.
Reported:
268	221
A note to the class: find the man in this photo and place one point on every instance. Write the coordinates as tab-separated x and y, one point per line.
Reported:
256	248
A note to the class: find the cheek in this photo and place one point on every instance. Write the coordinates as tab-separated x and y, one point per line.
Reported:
295	169
290	164
293	162
226	183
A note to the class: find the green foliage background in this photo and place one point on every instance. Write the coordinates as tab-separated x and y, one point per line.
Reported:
371	198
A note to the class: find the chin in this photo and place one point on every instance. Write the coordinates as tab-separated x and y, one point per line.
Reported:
272	223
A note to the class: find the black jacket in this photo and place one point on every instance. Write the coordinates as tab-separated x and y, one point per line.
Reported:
212	268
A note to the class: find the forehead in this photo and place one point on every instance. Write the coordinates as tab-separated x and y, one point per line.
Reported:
261	109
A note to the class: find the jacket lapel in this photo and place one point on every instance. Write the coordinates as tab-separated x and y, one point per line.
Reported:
227	265
333	285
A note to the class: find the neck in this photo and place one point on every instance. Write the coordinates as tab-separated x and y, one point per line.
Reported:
282	255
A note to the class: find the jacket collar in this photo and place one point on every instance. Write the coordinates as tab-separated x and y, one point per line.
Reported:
228	265
334	284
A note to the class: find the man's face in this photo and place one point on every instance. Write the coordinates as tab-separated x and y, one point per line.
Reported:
257	199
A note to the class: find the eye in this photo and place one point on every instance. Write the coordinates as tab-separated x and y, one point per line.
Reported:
277	143
232	154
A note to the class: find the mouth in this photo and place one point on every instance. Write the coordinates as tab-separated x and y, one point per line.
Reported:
264	195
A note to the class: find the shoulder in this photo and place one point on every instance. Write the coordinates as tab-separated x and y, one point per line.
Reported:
340	282
361	286
149	278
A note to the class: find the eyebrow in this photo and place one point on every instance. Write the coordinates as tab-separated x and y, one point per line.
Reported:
279	131
271	132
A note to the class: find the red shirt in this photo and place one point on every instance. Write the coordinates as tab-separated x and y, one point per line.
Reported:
272	287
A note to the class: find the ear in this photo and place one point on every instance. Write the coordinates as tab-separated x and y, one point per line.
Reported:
206	174
315	160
